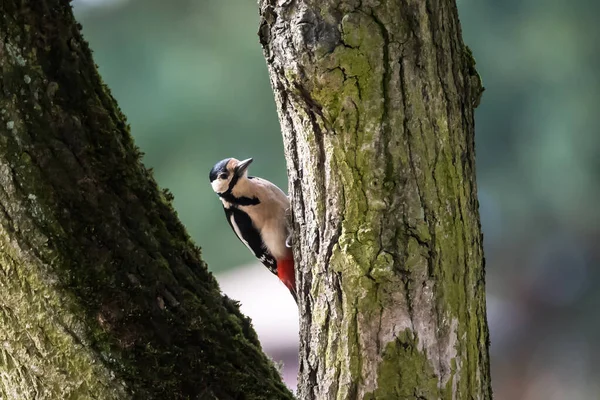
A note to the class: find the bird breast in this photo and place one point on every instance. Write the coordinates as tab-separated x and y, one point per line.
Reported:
269	215
272	227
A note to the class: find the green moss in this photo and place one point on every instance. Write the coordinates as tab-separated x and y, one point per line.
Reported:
415	261
346	79
405	372
476	82
383	268
330	86
56	355
470	60
80	216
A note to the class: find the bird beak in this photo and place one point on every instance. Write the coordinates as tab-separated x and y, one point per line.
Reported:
242	166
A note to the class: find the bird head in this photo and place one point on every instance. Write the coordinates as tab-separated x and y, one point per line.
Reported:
226	173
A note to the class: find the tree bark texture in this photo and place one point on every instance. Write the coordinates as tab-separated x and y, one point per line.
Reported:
103	294
376	103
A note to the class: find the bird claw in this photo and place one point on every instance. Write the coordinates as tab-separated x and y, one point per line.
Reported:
288	240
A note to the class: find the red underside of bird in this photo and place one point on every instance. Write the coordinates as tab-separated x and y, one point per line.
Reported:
285	273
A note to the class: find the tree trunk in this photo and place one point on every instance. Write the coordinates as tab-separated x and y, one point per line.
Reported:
103	294
376	102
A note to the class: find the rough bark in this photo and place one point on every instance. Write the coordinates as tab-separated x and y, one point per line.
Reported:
103	294
376	103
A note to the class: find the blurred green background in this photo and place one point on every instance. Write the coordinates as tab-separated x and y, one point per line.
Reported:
191	78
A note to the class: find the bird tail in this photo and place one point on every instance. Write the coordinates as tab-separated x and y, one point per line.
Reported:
286	274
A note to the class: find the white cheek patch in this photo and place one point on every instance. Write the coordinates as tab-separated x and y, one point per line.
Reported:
219	185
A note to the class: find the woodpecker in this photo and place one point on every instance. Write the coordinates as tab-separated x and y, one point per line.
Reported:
256	210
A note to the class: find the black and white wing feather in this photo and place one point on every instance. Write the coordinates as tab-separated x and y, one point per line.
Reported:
245	231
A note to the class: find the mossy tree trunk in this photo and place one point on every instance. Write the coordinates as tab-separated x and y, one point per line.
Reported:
102	293
376	103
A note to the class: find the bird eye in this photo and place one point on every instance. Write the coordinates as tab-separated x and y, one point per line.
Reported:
223	176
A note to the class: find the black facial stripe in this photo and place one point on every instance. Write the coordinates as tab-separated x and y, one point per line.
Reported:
239	201
233	182
228	194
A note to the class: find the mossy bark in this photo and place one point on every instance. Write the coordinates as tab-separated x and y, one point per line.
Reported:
103	294
376	103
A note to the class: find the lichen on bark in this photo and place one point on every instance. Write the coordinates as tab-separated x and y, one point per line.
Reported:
104	295
376	101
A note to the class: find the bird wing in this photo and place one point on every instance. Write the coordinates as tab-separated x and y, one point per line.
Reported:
245	231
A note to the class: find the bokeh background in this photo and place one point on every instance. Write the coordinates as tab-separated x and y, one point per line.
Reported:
191	78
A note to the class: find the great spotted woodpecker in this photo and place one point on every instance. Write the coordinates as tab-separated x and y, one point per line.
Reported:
256	209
